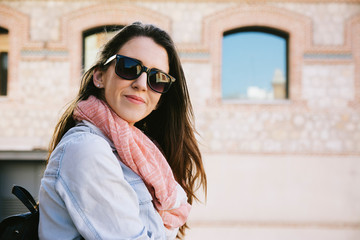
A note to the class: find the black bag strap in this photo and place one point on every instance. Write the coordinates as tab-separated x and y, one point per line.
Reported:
25	197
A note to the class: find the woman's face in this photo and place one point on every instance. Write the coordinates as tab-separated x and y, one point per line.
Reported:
133	100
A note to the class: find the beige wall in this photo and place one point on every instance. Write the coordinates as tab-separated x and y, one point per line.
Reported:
277	170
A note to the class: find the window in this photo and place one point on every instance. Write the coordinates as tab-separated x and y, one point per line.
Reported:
255	64
93	39
4	48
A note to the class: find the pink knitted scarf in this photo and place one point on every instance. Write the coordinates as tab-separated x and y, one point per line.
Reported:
140	154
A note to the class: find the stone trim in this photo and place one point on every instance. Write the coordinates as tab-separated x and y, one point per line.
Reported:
353	26
196	56
44	54
324	58
336	54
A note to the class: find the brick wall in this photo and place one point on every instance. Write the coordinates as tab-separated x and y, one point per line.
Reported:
284	169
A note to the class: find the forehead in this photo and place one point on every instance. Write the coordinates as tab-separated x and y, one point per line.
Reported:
147	51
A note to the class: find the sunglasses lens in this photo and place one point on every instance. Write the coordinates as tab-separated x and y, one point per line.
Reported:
159	81
128	68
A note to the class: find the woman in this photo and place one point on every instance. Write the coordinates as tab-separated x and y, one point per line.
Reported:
124	162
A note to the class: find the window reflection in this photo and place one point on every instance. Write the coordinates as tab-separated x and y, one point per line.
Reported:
4	49
254	64
93	39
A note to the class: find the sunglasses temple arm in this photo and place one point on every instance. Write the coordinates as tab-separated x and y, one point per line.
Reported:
110	59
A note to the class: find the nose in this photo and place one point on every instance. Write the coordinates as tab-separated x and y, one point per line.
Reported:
140	83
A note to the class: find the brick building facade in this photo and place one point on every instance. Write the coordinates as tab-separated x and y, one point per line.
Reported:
279	169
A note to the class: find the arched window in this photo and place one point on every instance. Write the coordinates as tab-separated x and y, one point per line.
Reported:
255	64
93	39
4	49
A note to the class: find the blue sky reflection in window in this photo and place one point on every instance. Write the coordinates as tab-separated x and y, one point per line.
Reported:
254	66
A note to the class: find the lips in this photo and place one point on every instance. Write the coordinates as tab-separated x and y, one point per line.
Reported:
135	99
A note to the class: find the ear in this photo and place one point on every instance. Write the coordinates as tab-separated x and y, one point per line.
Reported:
98	78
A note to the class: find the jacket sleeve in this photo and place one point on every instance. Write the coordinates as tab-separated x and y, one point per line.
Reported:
99	200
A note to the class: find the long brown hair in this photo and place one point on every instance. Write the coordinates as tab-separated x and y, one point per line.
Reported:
170	125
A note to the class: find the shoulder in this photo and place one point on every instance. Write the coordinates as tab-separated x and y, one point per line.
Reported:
84	143
85	151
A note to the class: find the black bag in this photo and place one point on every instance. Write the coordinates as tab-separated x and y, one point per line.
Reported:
22	226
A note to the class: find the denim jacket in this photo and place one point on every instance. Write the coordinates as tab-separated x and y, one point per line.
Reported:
86	191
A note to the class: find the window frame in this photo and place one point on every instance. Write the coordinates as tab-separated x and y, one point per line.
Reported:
95	30
268	30
4	76
299	28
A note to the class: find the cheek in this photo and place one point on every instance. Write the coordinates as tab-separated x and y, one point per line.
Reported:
111	91
155	100
114	85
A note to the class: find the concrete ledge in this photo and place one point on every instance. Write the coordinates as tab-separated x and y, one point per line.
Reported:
215	233
23	155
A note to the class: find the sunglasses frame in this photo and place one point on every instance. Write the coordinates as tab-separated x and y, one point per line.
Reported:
143	69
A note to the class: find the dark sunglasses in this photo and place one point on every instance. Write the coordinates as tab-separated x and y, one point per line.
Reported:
130	69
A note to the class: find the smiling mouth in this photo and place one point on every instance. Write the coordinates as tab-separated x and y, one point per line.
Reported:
135	99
